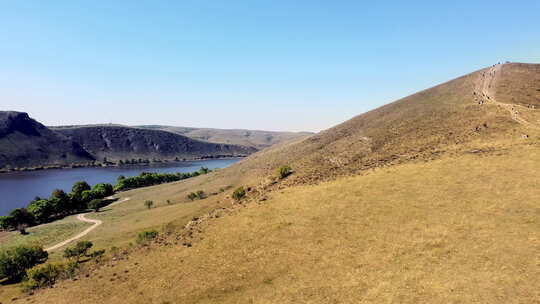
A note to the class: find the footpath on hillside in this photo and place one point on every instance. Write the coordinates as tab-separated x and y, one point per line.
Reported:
484	90
82	218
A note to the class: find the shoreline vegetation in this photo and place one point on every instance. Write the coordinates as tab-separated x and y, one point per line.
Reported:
83	198
120	163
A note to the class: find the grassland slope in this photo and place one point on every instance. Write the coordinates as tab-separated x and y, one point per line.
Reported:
430	199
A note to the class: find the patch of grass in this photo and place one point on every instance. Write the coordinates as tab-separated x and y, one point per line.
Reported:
46	234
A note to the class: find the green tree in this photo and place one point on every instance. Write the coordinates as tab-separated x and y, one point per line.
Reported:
42	210
86	197
79	187
21	216
79	250
61	202
76	194
102	190
148	204
95	204
15	261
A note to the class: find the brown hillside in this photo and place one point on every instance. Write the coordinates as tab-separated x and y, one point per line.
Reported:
446	213
420	126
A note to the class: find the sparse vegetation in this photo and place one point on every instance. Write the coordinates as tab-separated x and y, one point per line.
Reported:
239	193
78	251
146	236
284	171
148	204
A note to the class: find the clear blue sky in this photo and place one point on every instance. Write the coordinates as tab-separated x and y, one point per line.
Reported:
275	65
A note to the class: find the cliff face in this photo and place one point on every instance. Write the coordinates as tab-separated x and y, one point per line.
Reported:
117	142
25	142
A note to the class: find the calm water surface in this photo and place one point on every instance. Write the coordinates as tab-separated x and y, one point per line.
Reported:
17	189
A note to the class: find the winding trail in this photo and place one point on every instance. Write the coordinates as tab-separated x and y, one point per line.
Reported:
82	218
484	90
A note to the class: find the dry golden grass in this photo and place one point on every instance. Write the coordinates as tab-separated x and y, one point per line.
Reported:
461	229
447	214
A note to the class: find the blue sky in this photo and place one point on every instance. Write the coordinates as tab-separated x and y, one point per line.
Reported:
274	65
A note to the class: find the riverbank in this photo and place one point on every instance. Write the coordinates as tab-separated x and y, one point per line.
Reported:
138	163
18	188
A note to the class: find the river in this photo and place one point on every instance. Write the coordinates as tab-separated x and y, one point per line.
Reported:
17	189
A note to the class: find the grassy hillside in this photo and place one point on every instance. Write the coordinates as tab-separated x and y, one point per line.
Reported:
433	198
459	229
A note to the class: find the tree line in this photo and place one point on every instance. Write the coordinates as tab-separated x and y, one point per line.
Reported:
82	197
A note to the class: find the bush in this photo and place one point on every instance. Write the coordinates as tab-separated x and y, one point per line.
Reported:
14	262
239	193
148	204
79	250
200	194
284	171
192	196
146	236
43	276
46	275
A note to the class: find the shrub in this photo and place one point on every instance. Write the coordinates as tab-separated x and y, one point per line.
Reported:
79	250
200	194
284	171
14	262
239	193
146	236
192	196
43	275
148	204
46	275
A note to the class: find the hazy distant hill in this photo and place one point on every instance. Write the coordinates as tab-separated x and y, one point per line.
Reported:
252	138
25	142
120	142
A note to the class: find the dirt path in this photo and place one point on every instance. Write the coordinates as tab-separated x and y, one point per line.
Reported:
484	93
80	217
120	201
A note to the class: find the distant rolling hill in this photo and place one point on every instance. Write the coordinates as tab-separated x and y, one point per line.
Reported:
251	138
120	142
26	143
